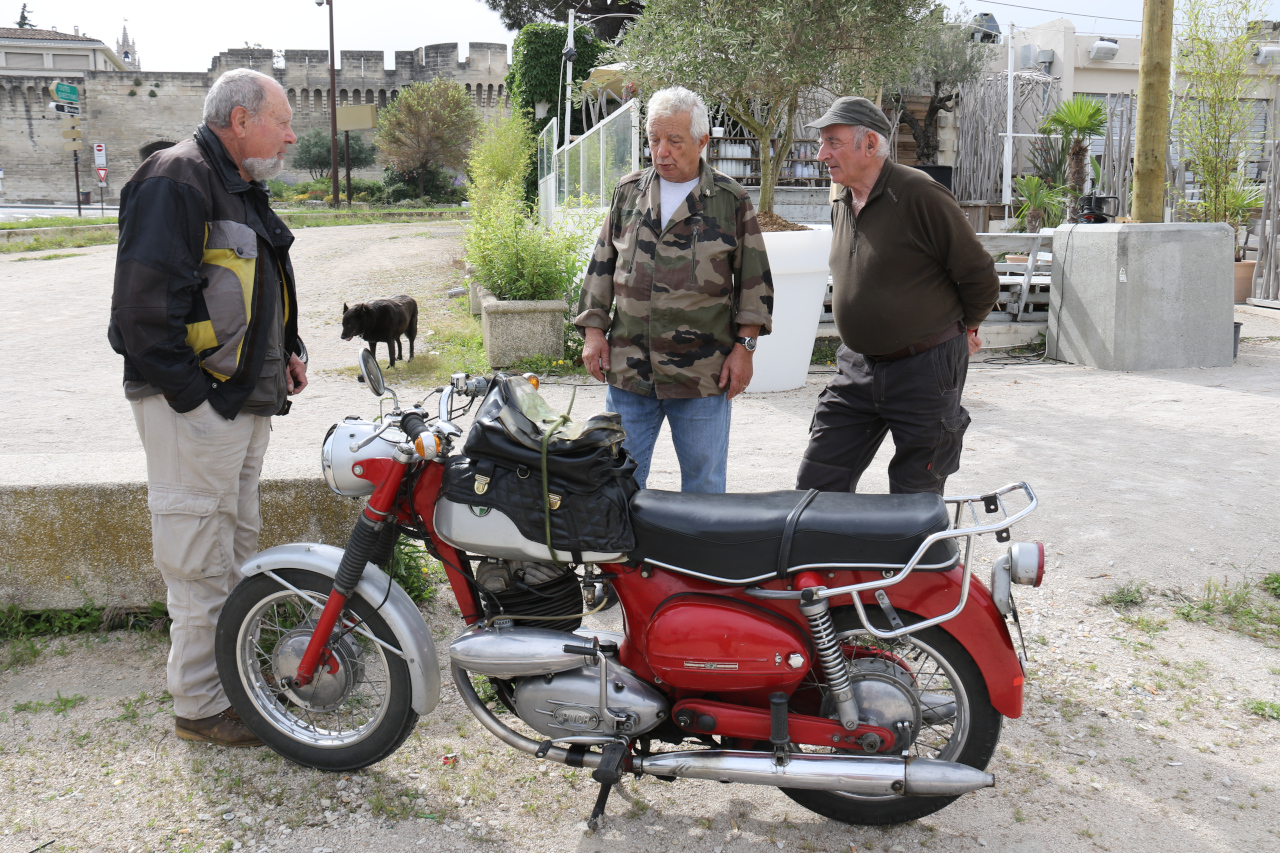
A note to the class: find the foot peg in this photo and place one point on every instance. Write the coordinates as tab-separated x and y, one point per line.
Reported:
779	736
613	763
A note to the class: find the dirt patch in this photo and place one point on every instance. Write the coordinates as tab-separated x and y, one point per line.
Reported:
774	222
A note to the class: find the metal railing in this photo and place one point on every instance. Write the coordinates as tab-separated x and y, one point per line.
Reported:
581	175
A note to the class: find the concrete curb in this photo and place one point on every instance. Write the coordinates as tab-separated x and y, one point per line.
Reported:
66	544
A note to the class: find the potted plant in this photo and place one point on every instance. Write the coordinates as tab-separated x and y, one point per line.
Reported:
1079	119
526	273
1241	200
1041	203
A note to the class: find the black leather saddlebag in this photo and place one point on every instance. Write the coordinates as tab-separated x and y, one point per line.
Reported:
590	476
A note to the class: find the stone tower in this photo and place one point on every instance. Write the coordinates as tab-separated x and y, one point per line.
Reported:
128	51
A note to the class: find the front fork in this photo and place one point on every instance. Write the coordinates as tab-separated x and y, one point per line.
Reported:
372	539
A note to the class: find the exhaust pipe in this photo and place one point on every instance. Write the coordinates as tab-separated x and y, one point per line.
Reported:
865	775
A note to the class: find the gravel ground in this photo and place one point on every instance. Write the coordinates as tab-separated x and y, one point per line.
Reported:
1136	735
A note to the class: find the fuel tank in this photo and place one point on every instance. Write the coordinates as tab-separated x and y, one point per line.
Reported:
709	643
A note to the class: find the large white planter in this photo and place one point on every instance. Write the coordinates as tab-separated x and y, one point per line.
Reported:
798	260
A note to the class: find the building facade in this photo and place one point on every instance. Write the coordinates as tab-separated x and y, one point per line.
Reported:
135	113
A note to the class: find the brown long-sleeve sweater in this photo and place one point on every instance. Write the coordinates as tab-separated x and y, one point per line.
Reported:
907	266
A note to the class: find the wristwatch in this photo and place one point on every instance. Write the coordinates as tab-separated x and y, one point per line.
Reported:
749	344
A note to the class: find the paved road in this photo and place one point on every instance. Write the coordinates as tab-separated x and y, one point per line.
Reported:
22	212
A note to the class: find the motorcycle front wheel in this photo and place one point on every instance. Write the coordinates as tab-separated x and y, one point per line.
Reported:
959	722
353	714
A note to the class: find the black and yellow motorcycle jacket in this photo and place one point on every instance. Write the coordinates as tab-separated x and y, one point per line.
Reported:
199	247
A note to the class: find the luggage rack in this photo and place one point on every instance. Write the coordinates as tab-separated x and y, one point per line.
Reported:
991	503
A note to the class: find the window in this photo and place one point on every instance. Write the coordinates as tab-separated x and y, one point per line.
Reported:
71	60
14	59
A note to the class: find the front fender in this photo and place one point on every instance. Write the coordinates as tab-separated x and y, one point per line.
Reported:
980	628
410	631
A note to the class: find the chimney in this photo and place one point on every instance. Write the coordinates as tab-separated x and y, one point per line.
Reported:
77	29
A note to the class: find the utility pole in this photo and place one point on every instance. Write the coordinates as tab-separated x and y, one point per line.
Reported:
333	104
75	162
570	54
1152	148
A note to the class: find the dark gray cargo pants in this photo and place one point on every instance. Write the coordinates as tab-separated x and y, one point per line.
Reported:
916	398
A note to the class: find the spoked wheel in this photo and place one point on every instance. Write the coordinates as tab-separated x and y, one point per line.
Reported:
925	679
354	713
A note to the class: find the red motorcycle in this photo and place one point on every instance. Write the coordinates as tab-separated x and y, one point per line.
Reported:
833	646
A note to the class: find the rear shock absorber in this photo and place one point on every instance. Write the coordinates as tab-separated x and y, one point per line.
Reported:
818	612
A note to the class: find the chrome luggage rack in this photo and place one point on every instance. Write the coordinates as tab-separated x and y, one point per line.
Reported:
991	503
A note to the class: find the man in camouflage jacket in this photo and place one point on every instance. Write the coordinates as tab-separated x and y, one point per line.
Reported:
680	281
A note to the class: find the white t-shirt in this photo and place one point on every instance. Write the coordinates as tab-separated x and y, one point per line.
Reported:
673	195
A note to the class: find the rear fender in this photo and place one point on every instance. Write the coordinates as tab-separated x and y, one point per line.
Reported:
410	631
979	628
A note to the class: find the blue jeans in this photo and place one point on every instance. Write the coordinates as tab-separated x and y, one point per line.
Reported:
699	430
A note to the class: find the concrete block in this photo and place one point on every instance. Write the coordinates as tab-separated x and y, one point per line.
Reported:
516	329
64	545
1142	296
805	205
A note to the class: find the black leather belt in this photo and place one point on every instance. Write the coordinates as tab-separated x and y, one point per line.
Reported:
957	328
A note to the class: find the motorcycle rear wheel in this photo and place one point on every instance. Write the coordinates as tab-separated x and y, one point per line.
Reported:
943	668
366	714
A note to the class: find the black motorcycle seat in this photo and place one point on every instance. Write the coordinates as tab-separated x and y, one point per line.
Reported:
736	538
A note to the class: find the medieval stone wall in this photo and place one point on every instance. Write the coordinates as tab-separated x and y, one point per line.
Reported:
165	107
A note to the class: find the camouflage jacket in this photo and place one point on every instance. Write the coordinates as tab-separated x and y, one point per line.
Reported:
682	291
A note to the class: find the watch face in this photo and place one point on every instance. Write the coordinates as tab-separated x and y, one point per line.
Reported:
748	343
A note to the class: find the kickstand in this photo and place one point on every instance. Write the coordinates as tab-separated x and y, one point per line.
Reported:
613	762
593	822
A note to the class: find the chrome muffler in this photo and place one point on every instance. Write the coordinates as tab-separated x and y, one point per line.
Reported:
856	774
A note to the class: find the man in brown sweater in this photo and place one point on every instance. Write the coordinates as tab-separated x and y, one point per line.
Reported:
911	284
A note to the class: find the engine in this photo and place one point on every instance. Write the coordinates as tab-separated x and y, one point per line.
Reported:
532	589
558	692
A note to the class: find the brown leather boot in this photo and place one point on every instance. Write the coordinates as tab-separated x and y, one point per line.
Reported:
225	729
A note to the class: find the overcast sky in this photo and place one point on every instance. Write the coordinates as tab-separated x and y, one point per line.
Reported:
184	37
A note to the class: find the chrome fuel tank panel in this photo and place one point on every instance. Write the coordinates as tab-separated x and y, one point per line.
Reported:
490	532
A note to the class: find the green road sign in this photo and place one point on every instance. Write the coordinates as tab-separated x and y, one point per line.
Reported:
66	92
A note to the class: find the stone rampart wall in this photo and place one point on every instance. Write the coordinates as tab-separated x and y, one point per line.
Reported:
165	107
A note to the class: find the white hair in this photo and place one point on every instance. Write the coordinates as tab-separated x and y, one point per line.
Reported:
239	87
675	100
860	133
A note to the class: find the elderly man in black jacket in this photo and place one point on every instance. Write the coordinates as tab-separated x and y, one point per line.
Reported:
205	313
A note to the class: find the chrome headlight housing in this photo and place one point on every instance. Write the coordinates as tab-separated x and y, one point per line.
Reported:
337	459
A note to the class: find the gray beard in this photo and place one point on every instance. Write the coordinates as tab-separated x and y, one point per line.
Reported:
262	168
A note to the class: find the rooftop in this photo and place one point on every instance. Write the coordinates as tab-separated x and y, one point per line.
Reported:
41	35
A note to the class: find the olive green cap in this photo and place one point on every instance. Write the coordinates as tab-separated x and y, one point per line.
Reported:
859	111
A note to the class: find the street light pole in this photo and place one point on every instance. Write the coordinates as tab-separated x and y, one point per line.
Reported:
333	104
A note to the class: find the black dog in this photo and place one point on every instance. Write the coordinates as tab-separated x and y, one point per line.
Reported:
383	321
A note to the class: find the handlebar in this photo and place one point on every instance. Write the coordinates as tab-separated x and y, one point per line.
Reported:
413	425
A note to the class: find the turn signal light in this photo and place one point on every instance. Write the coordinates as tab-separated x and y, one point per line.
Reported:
532	379
426	442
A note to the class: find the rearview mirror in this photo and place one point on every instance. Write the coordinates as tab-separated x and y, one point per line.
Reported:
372	373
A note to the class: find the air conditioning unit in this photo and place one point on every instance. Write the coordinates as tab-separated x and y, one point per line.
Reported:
1027	55
1104	50
1267	54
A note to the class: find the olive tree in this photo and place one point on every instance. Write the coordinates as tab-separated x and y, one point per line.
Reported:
429	124
758	59
946	58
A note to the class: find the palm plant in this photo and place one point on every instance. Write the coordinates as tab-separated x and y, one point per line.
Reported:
1080	119
1239	199
1040	202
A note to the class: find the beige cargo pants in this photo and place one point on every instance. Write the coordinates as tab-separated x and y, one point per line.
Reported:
202	483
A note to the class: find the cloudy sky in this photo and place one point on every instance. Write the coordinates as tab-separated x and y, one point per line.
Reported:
184	37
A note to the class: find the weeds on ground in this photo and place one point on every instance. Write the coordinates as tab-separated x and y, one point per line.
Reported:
1271	583
1126	595
1261	707
40	244
412	567
57	222
53	257
18	623
303	219
824	351
60	705
1237	607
